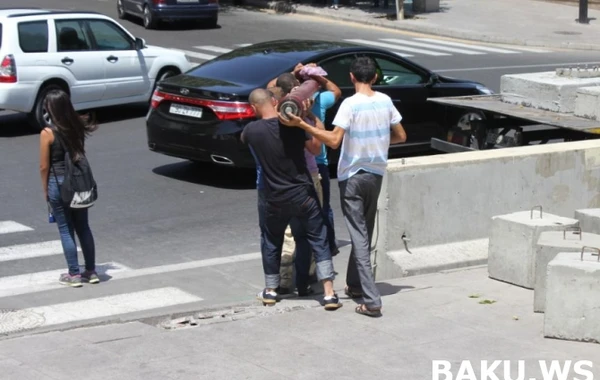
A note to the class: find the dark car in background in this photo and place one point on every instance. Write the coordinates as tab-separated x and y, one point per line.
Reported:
154	12
199	115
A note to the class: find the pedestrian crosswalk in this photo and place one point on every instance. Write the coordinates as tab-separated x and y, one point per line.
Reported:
404	47
21	313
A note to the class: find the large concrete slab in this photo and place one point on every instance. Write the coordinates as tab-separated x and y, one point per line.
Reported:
587	103
458	194
572	311
549	245
513	241
544	90
589	220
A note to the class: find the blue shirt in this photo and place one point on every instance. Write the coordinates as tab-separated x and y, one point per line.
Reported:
323	101
259	183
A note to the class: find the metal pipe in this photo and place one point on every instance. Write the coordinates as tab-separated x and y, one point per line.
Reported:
583	12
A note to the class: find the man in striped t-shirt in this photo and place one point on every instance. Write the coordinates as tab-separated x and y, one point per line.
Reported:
365	125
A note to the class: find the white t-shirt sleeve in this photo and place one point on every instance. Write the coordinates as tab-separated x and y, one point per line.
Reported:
343	117
395	116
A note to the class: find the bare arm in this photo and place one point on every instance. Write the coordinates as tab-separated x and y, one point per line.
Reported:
398	134
332	139
328	86
46	139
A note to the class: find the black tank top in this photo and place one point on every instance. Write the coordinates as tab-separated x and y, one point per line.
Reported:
57	156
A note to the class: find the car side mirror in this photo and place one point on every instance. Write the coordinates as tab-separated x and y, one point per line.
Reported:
140	43
433	79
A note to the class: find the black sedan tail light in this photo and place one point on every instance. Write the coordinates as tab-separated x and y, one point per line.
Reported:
223	110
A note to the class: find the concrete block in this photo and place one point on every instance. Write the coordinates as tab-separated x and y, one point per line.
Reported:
549	245
587	103
572	311
420	6
513	242
589	220
544	90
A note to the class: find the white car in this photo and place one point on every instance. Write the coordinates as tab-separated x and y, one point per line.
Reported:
87	54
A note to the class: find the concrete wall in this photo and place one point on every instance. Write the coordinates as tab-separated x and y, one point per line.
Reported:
444	203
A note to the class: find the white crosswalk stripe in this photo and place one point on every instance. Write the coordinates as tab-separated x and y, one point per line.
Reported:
195	54
27	251
475	47
9	227
216	49
431	46
112	305
396	47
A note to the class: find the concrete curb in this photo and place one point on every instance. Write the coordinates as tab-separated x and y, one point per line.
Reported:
285	7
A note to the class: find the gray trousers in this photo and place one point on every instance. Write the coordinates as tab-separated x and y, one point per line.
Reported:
359	195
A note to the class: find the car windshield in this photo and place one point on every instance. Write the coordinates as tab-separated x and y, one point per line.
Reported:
253	69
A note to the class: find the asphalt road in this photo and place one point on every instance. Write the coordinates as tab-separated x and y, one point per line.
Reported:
155	210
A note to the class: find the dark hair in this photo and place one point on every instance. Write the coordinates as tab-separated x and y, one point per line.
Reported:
68	123
286	82
364	69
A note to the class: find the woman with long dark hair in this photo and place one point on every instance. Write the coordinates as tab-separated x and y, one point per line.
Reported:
67	131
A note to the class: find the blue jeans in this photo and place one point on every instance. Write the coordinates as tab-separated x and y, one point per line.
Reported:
70	222
309	222
327	210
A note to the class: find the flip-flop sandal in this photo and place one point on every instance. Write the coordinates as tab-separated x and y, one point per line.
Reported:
362	309
352	293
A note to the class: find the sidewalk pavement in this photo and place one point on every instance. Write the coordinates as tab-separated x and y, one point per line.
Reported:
517	22
430	317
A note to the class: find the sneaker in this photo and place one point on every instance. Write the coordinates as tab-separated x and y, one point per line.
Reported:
67	279
90	276
332	302
305	291
267	298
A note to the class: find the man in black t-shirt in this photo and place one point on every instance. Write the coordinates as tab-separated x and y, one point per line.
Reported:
289	192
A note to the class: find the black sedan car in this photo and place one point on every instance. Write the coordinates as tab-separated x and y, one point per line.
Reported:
154	12
199	115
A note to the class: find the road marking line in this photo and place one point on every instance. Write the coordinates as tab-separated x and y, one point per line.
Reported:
28	251
113	305
530	49
48	280
468	46
216	49
133	273
568	64
396	47
196	54
9	227
243	45
442	48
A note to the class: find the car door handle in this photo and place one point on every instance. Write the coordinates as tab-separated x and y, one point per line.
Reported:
67	60
112	59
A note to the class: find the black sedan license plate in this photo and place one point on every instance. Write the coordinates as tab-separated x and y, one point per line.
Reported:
179	109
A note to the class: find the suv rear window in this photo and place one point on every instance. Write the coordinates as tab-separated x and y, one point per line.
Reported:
33	36
0	35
